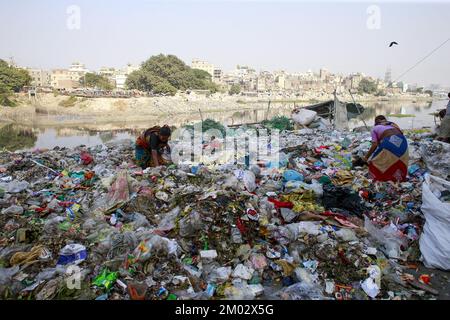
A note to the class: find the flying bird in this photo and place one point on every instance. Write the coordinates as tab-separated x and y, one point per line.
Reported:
392	43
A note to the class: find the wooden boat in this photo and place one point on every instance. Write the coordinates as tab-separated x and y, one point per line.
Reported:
326	109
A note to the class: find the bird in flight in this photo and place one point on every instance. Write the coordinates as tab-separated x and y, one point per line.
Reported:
392	43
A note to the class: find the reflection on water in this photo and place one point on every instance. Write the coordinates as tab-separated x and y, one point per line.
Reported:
13	137
420	112
16	137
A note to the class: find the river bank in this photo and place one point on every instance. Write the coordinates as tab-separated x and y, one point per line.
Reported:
71	111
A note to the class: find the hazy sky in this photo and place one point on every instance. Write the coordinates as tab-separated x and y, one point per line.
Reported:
267	35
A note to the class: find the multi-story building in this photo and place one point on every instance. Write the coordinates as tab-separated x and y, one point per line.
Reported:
217	78
356	79
77	70
130	68
120	80
323	74
107	72
40	78
265	81
388	76
203	65
63	79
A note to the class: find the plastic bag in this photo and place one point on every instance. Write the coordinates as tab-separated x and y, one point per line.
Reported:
139	220
303	117
249	181
13	210
315	186
301	291
154	245
168	222
6	275
435	239
372	284
388	236
239	291
243	272
292	175
190	224
219	275
435	155
119	191
16	186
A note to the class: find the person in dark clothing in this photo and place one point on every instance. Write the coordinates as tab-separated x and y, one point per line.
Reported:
444	130
151	145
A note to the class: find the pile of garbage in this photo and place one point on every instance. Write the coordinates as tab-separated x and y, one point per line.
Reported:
86	223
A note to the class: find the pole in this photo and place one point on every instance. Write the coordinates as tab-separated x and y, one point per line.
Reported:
268	108
359	112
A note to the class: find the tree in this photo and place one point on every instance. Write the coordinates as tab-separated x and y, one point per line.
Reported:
429	92
164	87
165	74
235	89
13	138
367	86
12	80
92	80
5	96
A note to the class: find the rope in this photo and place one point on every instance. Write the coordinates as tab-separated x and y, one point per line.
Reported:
421	60
27	257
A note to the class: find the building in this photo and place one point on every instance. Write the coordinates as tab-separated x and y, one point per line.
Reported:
78	67
120	80
405	87
62	79
107	72
40	78
281	81
77	70
265	81
323	74
130	68
355	79
217	75
388	76
203	65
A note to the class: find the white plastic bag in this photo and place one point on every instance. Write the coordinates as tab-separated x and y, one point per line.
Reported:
303	117
249	181
435	155
435	239
388	236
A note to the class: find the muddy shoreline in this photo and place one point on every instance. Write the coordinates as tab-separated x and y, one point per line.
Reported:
47	109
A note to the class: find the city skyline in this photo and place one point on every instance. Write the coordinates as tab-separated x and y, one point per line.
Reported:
290	36
122	70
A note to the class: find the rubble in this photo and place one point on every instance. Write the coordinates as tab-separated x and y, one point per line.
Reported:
313	228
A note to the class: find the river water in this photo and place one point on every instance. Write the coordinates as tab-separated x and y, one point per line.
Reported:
19	137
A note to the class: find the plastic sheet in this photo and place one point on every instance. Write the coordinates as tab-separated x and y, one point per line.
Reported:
435	239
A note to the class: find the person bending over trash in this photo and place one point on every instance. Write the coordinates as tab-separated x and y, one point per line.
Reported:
388	156
152	146
444	130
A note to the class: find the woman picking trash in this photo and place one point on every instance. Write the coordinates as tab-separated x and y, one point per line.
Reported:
388	156
151	145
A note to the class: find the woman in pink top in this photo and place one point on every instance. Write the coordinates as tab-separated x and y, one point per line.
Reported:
388	156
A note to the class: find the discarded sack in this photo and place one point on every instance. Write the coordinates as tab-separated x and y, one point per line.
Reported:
435	240
303	117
